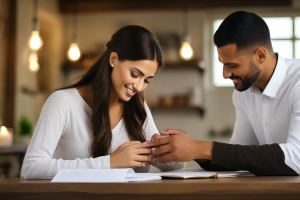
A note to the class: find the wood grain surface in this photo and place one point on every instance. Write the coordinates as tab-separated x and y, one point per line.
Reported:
221	188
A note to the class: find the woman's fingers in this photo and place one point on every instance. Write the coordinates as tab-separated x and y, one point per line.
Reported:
125	144
142	158
139	164
153	161
143	151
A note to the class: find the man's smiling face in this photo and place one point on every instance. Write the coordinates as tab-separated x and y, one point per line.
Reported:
239	67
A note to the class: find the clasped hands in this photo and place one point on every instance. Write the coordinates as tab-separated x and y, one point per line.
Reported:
168	146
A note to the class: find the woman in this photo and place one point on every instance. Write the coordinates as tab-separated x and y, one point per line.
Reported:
102	121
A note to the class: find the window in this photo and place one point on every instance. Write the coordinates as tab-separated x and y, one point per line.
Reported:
285	35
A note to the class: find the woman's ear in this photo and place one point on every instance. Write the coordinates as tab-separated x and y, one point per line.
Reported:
113	59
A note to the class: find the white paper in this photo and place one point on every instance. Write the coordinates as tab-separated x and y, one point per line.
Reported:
99	176
174	173
92	175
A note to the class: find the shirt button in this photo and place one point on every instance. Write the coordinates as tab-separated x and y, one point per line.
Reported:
265	102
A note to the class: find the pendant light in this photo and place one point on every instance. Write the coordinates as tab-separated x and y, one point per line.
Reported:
35	41
33	62
186	51
73	53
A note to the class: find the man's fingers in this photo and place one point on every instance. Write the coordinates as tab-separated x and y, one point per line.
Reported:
163	149
172	132
161	141
156	136
165	158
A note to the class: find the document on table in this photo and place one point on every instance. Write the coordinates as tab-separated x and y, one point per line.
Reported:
99	176
128	175
180	175
196	173
221	174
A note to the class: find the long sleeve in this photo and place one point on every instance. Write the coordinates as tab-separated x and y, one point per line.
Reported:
291	148
264	160
150	129
261	160
243	134
39	162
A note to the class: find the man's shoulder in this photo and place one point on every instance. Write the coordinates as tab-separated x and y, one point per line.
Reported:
292	67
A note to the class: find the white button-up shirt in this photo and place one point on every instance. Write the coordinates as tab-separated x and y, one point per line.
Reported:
272	116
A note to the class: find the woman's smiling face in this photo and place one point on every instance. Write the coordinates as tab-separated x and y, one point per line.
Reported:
131	77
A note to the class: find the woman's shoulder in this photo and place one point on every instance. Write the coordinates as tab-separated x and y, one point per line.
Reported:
62	96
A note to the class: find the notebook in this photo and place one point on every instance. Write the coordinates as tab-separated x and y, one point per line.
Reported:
196	174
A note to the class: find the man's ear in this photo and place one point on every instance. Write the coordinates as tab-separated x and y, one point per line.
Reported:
260	55
113	59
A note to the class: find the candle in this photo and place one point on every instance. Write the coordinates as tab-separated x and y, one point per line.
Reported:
6	137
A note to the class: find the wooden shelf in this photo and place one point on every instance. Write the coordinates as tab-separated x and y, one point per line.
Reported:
200	109
191	64
87	60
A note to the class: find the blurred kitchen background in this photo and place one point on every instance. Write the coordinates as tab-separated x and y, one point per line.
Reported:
46	44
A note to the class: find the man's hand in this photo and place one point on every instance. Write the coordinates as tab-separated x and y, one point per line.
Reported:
179	147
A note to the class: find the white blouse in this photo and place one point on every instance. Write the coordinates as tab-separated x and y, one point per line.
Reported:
63	137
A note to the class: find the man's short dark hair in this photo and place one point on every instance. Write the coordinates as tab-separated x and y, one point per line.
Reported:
244	29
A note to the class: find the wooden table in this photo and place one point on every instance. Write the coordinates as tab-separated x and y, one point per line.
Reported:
221	188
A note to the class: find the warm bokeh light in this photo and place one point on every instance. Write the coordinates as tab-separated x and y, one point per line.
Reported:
33	57
33	62
35	42
34	66
186	52
73	53
3	130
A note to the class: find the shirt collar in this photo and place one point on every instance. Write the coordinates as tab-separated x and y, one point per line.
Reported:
275	81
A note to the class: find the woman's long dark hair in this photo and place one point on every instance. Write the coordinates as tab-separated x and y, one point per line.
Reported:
130	43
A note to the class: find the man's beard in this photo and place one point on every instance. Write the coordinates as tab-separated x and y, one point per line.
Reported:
249	79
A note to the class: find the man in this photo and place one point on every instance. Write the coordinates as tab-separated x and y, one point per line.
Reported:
266	136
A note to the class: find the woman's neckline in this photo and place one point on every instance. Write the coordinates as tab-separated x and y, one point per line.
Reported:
87	105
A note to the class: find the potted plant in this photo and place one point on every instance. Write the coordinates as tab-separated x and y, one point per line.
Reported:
25	130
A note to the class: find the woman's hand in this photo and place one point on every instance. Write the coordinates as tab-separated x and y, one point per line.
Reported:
131	154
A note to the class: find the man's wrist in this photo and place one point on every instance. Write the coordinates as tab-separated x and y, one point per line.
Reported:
203	150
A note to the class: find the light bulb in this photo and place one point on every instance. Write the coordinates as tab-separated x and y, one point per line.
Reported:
33	57
3	130
36	41
186	52
73	53
34	66
33	62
